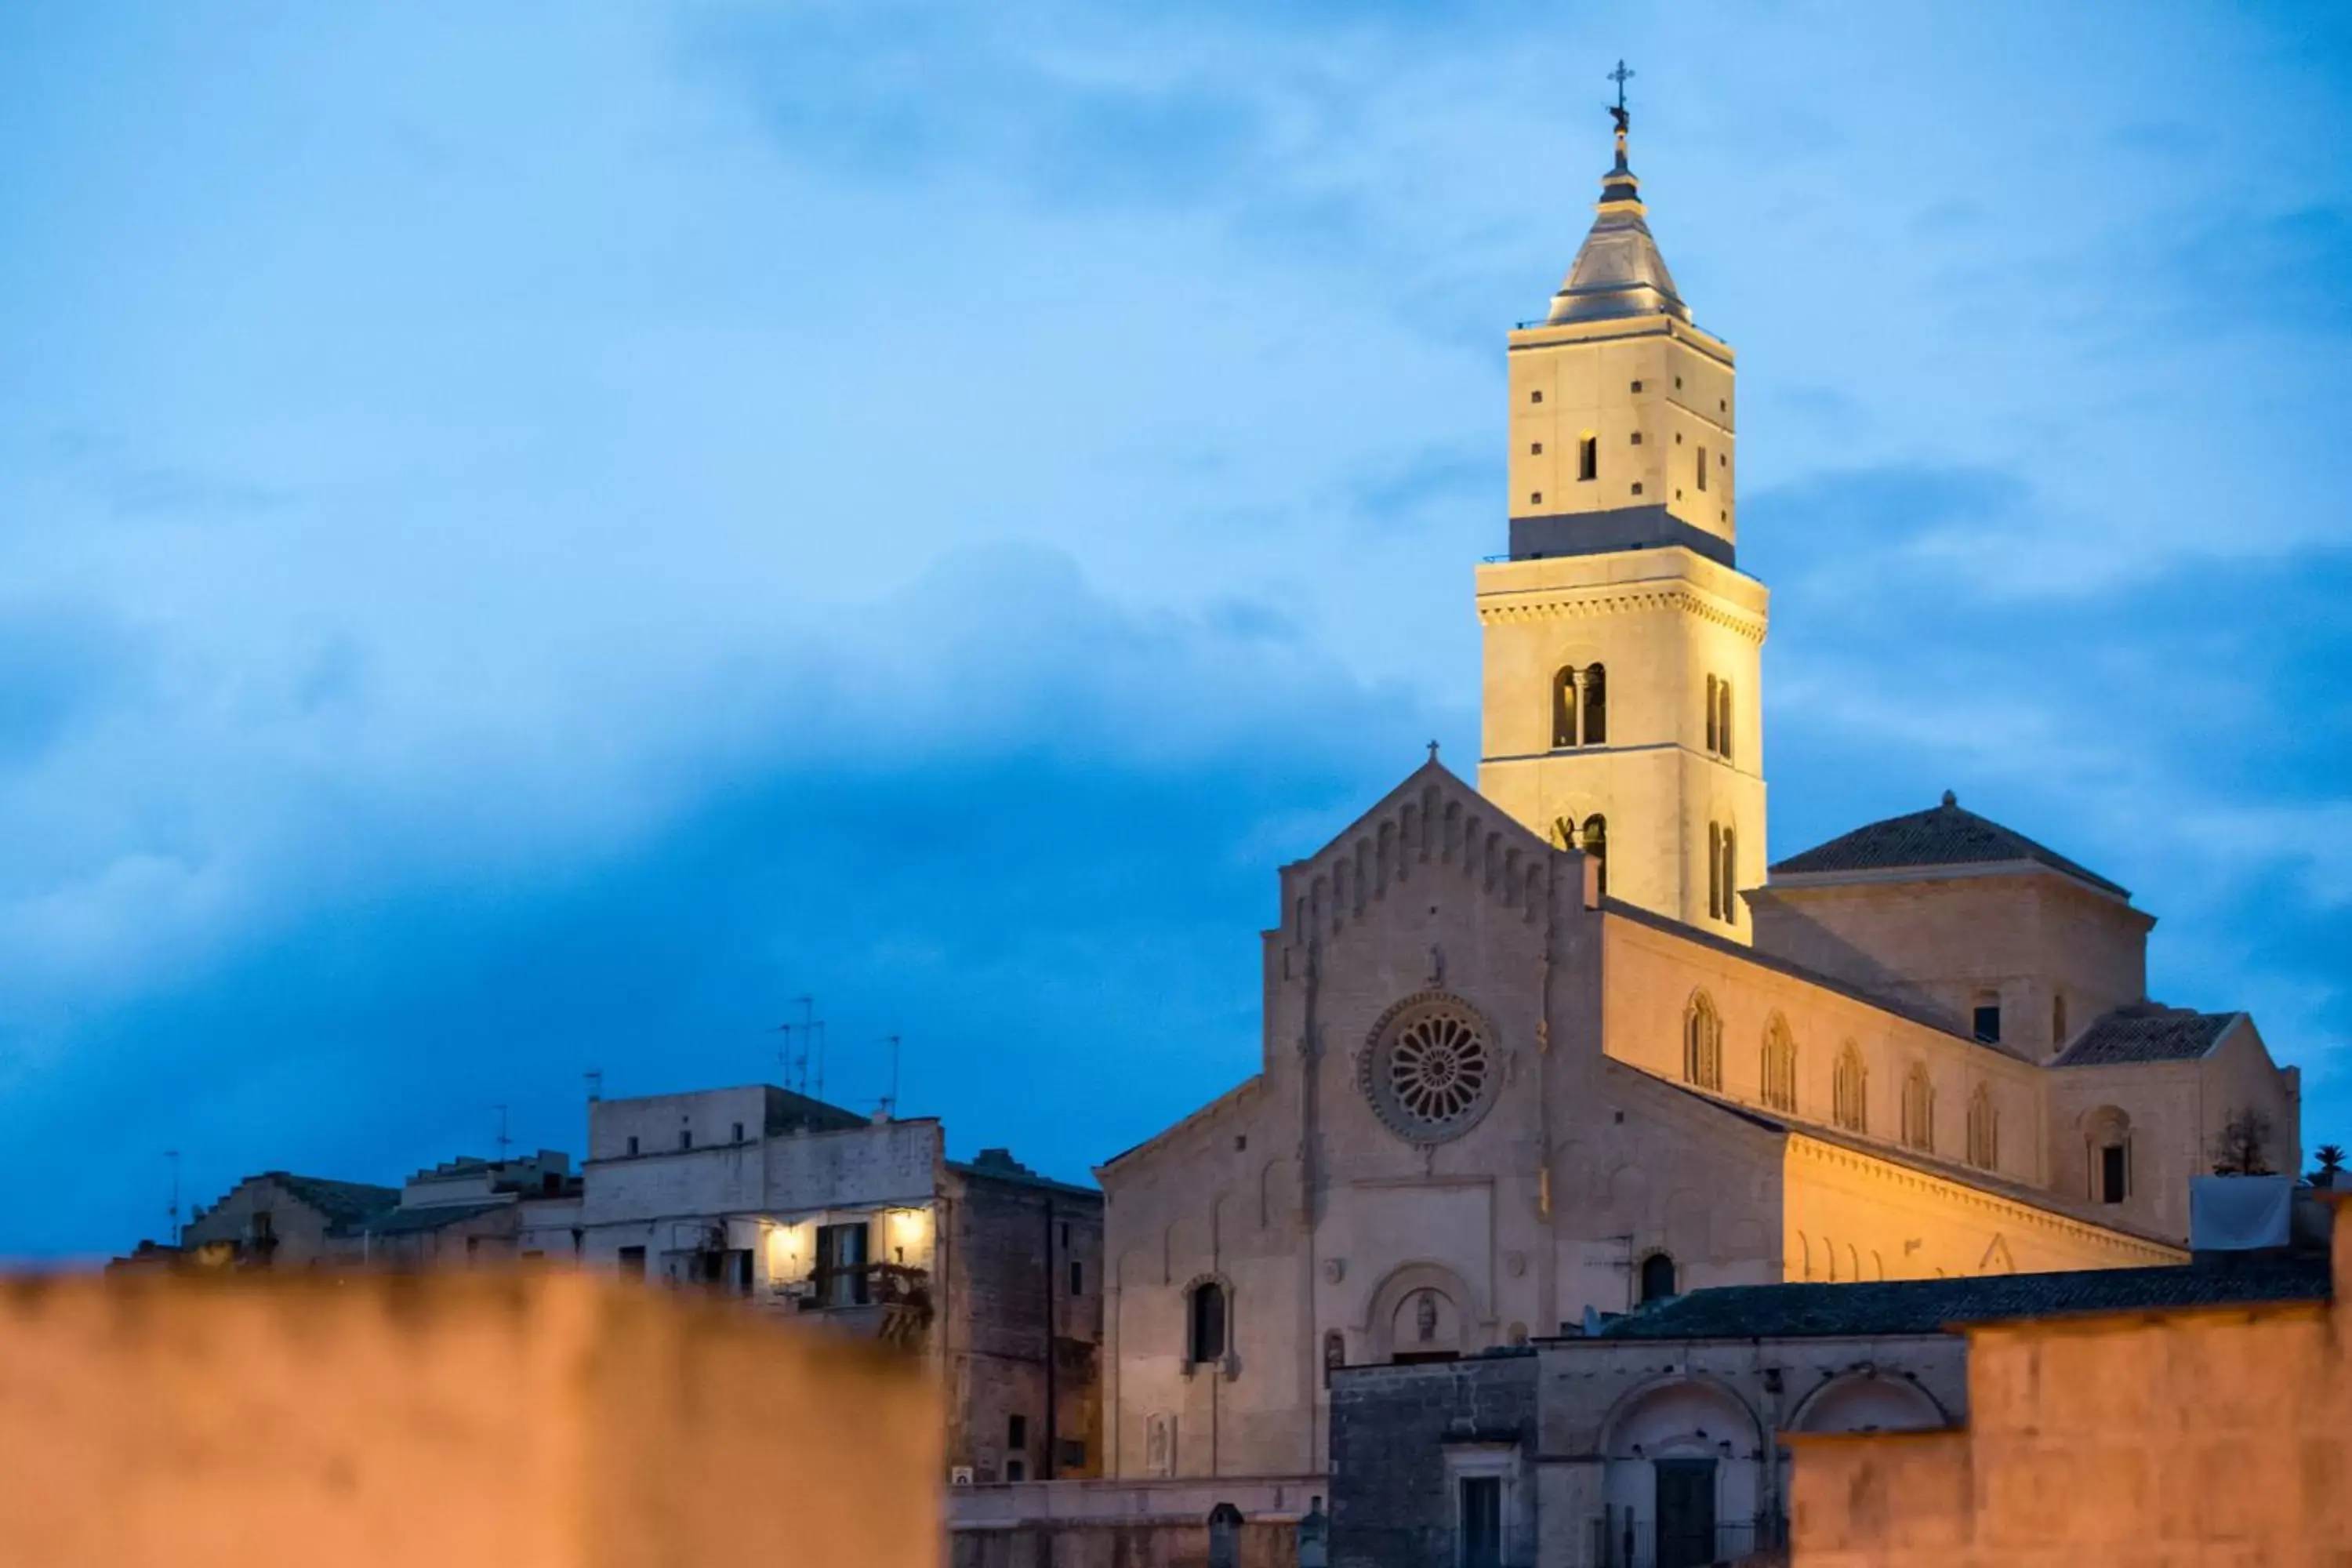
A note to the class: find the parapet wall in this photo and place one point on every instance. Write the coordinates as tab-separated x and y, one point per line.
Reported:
518	1420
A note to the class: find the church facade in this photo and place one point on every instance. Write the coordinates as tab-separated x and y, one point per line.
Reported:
1561	1043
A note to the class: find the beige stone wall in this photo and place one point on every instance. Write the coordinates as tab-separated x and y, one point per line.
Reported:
2200	1436
1851	1215
1661	622
2173	1112
1951	938
1663	380
515	1421
1652	976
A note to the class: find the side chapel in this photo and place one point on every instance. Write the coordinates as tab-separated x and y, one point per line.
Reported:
1563	1044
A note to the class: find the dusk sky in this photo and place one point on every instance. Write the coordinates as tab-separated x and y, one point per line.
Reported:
532	535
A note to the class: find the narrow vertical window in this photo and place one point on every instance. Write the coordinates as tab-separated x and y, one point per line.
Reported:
1208	1324
1657	1277
1920	1110
1985	1019
1596	706
1702	1043
1588	457
1716	870
1780	1066
1713	685
1984	1130
1702	468
1563	709
1596	844
1850	1099
2115	1173
1730	877
1723	720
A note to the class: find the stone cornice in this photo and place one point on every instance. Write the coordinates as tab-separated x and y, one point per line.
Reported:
2014	1210
1566	604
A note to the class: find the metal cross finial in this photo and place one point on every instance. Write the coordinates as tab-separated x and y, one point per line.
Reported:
1432	751
1617	111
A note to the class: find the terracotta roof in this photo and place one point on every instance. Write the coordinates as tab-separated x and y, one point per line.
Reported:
1943	835
1927	1306
2146	1032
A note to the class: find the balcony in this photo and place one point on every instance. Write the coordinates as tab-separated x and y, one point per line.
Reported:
889	1301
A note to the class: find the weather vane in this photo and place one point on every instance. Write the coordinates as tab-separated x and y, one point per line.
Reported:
1617	111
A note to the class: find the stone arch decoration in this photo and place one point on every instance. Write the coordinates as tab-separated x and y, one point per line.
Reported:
1430	1067
1681	1411
1424	1309
1869	1400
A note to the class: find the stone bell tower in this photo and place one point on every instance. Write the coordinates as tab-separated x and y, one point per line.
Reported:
1623	643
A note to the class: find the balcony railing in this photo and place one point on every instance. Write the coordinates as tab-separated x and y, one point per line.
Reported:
869	1285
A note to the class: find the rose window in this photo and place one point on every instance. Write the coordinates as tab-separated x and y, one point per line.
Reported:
1430	1068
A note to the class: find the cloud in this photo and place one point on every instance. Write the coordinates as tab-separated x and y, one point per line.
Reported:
1030	831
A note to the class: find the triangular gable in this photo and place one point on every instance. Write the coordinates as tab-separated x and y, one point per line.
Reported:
1430	825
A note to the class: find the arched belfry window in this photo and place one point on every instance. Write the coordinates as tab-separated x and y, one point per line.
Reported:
1595	843
1563	709
1596	706
1657	1277
1702	1042
1723	720
1730	876
1207	1322
1780	1066
1920	1110
1850	1093
1713	731
1984	1130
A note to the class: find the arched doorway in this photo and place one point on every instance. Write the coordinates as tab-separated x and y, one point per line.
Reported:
1681	1480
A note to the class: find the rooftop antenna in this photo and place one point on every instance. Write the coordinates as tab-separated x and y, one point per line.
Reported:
819	1027
595	1077
174	1156
504	1141
891	1100
808	1027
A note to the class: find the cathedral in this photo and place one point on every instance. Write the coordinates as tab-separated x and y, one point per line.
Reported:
1562	1043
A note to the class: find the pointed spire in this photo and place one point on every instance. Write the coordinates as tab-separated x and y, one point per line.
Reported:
1619	272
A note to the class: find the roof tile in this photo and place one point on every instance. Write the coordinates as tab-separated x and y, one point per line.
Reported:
1944	834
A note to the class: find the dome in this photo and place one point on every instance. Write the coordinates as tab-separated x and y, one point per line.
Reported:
1619	272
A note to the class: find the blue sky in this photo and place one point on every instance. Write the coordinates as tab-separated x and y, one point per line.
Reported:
530	536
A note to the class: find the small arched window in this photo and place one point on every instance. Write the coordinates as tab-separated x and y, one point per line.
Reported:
1780	1066
2110	1137
1596	706
1657	1277
1588	457
1713	731
1596	844
1723	720
1702	1043
1920	1110
1984	1130
1563	709
1208	1322
1849	1094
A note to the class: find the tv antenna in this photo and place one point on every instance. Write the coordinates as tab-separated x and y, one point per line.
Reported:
174	1210
504	1141
891	1100
811	1029
595	1077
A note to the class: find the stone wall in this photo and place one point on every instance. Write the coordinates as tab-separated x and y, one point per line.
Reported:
521	1420
2205	1436
1008	1310
1393	1430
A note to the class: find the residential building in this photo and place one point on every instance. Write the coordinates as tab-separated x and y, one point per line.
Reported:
990	1272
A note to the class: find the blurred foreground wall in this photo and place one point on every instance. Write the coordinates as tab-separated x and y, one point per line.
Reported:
522	1420
2217	1436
